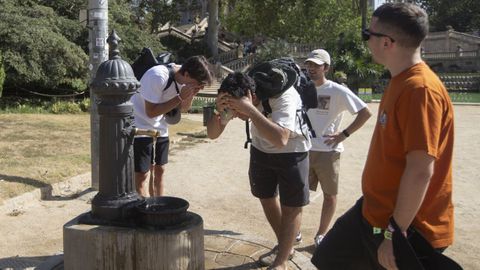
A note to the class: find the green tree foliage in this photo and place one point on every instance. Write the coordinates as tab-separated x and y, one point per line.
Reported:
154	13
122	19
350	55
272	49
37	53
65	8
181	49
71	28
45	47
333	24
462	15
306	21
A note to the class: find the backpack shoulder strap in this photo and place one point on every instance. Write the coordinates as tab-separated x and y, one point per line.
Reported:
266	107
171	79
247	131
266	111
309	124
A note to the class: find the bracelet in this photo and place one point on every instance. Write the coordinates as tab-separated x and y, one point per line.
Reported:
388	235
345	132
179	97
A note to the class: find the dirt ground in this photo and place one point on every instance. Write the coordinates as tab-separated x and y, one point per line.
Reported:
212	176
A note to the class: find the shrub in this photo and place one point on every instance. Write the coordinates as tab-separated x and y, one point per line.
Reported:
10	104
60	107
84	105
199	102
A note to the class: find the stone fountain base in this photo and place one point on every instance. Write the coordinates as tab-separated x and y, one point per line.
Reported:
110	247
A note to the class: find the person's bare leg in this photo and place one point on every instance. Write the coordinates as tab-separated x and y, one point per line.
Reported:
328	210
140	183
290	225
150	181
273	213
158	181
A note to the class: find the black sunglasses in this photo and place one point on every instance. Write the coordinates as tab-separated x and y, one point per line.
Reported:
366	33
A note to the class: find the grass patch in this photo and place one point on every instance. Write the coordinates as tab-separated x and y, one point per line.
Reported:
199	102
465	97
460	97
38	150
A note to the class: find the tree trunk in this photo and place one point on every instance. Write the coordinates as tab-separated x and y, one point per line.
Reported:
363	10
213	23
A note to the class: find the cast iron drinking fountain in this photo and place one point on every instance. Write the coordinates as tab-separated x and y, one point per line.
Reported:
124	230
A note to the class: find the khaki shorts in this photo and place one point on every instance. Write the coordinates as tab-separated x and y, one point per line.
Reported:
324	168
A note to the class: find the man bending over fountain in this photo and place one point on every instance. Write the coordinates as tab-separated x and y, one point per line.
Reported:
279	151
163	89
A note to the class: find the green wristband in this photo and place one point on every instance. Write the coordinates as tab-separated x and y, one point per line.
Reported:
387	235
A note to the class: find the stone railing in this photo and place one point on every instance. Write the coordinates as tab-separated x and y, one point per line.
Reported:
461	82
467	61
464	37
224	57
452	33
174	31
450	55
454	82
242	64
224	71
229	61
449	40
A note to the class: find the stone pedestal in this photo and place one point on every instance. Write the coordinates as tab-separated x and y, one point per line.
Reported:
89	247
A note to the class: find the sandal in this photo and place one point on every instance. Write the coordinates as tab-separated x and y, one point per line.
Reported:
268	258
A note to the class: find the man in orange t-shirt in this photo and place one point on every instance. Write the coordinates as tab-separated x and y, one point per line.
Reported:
407	178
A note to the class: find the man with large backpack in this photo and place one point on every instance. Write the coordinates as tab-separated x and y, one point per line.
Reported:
278	168
333	100
164	89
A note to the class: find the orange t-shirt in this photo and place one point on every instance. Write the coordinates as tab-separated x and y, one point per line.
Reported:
415	114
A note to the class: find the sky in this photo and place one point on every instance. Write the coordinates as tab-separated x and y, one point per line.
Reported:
377	3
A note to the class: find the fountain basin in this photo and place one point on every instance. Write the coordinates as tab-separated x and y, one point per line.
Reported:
162	211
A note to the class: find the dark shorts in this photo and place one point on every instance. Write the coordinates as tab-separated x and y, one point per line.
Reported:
285	173
143	149
350	244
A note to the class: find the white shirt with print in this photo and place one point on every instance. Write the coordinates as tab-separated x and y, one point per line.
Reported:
333	100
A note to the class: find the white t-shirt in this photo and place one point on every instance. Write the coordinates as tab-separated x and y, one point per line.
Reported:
333	100
284	113
152	84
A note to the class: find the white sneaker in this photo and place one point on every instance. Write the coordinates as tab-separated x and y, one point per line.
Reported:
298	239
317	239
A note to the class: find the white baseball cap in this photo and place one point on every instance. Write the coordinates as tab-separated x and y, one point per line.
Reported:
319	57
